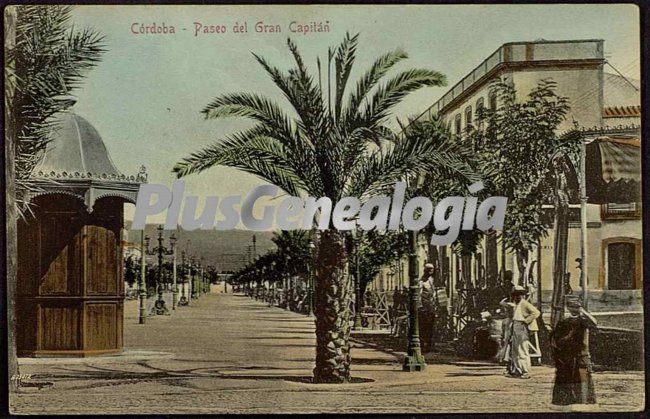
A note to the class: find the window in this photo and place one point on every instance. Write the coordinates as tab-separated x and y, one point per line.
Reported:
458	124
480	104
468	118
621	266
492	100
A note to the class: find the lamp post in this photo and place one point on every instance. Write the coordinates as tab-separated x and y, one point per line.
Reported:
183	300
142	287
270	272
159	307
201	277
357	281
310	283
174	282
414	361
289	292
197	279
194	295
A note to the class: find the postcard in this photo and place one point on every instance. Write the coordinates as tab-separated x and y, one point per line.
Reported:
310	209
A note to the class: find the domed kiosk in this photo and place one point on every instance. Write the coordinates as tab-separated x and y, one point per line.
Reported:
71	292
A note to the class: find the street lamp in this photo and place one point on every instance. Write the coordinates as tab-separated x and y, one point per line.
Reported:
142	287
357	281
414	361
289	292
202	277
183	301
160	250
193	272
310	280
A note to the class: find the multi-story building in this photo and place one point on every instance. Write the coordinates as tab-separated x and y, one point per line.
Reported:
607	108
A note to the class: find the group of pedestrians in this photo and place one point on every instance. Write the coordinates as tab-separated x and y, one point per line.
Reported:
569	338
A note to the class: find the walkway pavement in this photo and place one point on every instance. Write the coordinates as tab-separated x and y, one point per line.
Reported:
228	354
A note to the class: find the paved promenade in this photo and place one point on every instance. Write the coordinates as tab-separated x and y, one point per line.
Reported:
228	354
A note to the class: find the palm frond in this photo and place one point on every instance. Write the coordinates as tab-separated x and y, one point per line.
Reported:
251	152
48	61
378	70
397	88
345	55
424	148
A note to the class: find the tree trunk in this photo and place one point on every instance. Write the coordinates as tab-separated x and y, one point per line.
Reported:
332	310
12	216
491	259
466	270
522	265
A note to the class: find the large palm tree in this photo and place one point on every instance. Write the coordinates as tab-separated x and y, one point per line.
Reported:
328	146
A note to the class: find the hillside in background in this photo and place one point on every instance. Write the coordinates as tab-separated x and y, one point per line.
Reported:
227	250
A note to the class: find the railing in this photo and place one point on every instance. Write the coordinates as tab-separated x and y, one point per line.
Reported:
515	52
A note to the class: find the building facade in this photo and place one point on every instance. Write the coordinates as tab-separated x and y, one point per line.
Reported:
606	107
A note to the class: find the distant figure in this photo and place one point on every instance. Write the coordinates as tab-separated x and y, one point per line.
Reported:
486	337
570	344
506	330
502	290
567	284
524	317
426	310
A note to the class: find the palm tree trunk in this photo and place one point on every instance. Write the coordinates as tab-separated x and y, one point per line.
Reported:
12	218
332	310
491	261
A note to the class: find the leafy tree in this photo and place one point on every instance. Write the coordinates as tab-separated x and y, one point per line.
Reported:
212	273
131	270
328	146
293	253
515	147
151	278
378	249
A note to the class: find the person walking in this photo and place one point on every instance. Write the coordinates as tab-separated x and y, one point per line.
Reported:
570	345
524	318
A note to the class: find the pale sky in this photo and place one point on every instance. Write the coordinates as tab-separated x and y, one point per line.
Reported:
145	97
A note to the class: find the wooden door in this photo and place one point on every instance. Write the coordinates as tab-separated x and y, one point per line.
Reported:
102	270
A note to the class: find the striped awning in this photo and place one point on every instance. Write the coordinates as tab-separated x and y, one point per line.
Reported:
613	169
621	111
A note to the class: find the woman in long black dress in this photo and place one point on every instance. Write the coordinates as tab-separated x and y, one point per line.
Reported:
570	340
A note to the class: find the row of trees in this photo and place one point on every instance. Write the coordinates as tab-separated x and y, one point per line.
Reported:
328	145
291	257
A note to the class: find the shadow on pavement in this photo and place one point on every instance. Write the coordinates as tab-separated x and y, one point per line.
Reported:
108	377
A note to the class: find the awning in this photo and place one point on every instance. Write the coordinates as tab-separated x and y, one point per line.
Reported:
613	170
